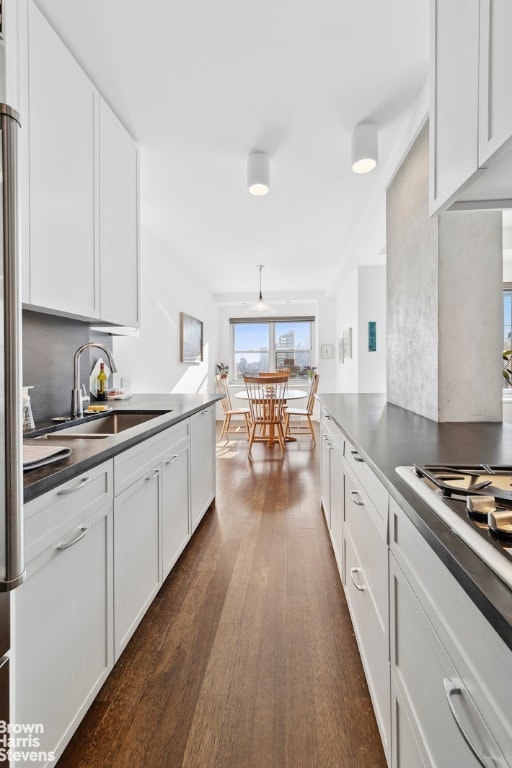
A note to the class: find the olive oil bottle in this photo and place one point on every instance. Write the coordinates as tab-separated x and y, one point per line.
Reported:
101	383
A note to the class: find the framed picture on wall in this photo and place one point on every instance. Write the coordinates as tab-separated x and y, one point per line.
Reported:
341	353
347	344
191	339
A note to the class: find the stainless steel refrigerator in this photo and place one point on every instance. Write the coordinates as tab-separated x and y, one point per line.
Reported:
11	487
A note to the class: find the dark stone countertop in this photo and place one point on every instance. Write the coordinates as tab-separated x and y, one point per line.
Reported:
387	436
88	453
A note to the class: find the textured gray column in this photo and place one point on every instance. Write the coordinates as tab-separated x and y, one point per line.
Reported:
444	312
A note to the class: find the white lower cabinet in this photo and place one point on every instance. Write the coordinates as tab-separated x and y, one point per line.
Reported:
98	548
63	647
325	468
202	462
151	523
366	588
136	554
451	672
176	526
331	483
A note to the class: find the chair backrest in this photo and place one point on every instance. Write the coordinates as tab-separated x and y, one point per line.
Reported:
221	383
312	393
267	397
270	374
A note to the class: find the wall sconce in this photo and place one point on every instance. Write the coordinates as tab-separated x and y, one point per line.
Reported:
258	173
364	148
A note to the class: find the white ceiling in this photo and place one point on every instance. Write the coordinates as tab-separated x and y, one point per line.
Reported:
202	84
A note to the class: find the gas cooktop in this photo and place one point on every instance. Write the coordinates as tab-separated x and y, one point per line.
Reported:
475	501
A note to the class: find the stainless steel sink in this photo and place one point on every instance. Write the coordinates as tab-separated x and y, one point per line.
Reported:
102	427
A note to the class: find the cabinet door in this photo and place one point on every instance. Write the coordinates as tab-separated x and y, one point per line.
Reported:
495	68
119	222
175	506
325	471
454	98
423	673
136	555
366	588
202	462
63	630
64	272
337	504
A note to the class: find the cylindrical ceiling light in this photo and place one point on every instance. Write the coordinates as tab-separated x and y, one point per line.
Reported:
364	148
258	173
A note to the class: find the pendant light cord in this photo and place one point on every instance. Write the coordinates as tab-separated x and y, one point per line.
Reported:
260	267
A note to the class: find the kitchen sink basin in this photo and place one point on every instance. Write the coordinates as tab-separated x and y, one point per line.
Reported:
102	427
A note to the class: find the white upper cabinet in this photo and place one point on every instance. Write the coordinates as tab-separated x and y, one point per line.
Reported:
80	189
495	128
119	222
62	106
470	105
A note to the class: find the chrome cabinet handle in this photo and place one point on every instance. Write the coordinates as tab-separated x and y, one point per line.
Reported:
357	457
172	459
473	729
83	530
156	472
357	585
356	498
83	481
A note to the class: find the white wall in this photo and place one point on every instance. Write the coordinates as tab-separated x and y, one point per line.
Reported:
324	312
372	307
347	317
152	359
361	299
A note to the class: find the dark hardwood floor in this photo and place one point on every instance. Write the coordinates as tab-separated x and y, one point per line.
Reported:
247	657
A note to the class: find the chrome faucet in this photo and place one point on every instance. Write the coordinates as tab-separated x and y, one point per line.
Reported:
77	410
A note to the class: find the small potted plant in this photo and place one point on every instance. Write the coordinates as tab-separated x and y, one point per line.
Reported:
222	370
507	366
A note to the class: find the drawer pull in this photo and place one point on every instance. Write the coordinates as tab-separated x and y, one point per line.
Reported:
472	728
172	459
83	481
83	530
357	457
156	472
354	495
357	585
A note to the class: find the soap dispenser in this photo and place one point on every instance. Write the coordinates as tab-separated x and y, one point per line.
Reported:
28	419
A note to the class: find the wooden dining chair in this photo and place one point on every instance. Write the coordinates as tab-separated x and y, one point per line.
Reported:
295	427
223	389
267	399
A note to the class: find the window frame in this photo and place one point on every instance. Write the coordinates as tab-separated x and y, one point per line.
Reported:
272	346
507	290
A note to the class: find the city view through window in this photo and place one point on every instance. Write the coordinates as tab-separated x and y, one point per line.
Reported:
272	346
507	326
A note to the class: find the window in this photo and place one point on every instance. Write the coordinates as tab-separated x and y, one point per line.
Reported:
507	323
271	345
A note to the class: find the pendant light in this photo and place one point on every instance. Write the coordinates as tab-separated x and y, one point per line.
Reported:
364	148
258	173
260	305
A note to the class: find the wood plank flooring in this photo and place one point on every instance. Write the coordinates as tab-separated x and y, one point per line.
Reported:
247	657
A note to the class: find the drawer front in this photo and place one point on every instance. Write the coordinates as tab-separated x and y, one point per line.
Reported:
54	513
433	687
481	657
130	465
372	638
371	484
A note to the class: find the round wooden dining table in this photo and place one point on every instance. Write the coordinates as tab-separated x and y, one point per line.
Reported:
291	394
